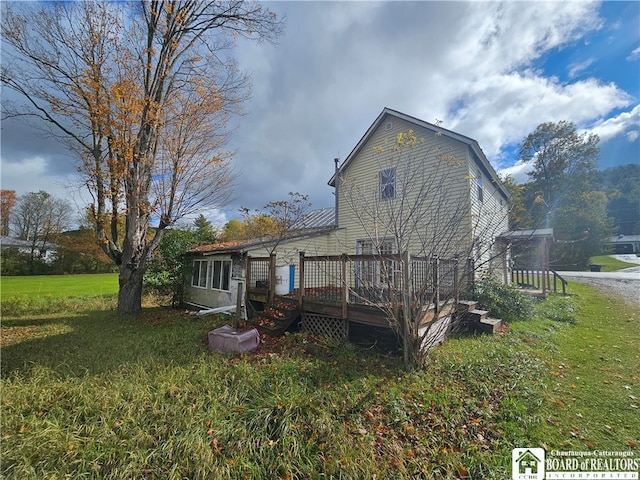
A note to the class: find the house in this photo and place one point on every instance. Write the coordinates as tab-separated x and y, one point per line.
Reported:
219	269
45	252
412	182
408	189
623	244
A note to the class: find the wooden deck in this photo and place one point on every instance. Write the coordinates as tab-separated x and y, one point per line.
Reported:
359	288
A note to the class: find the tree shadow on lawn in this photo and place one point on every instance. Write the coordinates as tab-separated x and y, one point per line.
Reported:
97	342
100	341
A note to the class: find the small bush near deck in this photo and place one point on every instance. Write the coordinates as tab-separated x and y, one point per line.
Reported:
558	309
503	301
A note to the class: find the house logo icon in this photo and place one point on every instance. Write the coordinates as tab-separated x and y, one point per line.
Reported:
527	463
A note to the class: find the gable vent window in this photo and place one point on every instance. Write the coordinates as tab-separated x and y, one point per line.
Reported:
480	192
388	126
387	181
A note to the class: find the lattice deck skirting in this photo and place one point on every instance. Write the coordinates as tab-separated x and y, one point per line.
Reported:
325	326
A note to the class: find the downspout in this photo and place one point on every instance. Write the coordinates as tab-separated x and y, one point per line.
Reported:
335	212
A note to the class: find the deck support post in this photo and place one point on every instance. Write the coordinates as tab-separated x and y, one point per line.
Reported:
344	291
406	303
436	287
272	278
301	282
239	298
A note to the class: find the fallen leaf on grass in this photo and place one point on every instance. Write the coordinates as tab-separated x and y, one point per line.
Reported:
553	422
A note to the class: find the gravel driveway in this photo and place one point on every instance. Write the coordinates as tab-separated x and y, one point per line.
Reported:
624	284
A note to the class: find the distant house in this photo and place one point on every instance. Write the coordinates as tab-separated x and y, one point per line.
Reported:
622	244
45	252
444	181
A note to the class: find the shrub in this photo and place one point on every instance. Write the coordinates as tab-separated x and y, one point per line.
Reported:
503	301
559	309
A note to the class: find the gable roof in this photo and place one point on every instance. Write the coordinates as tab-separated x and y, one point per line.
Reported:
479	156
316	222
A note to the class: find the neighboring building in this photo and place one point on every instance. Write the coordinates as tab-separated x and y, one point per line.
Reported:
46	251
622	244
437	185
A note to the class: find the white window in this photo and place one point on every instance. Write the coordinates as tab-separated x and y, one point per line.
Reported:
480	192
375	272
220	274
387	182
199	277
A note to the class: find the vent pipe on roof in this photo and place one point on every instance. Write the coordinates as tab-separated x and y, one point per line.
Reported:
337	182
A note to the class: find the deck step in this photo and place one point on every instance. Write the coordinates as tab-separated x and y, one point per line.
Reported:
476	315
276	317
489	325
468	305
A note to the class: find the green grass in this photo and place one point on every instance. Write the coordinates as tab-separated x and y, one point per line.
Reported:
593	396
59	285
43	294
610	264
89	394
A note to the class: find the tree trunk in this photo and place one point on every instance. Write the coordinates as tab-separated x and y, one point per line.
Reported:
130	292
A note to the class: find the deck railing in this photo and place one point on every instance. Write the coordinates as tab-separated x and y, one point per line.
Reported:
369	280
261	273
539	279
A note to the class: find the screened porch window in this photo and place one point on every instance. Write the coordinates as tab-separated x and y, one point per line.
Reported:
220	274
199	276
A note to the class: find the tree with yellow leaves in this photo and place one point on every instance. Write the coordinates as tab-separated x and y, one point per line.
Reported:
141	93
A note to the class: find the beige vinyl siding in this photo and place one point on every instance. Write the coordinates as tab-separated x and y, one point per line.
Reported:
489	219
289	253
432	176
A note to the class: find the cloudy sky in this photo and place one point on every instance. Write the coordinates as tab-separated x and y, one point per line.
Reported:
491	71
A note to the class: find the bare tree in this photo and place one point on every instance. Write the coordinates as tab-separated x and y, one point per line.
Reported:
426	235
37	218
142	93
276	220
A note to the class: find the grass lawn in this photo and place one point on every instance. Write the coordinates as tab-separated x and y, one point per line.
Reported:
593	396
42	294
89	394
59	285
610	264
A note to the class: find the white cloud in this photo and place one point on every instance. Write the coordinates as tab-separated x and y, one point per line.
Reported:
618	125
473	64
633	135
634	55
32	174
519	171
577	68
